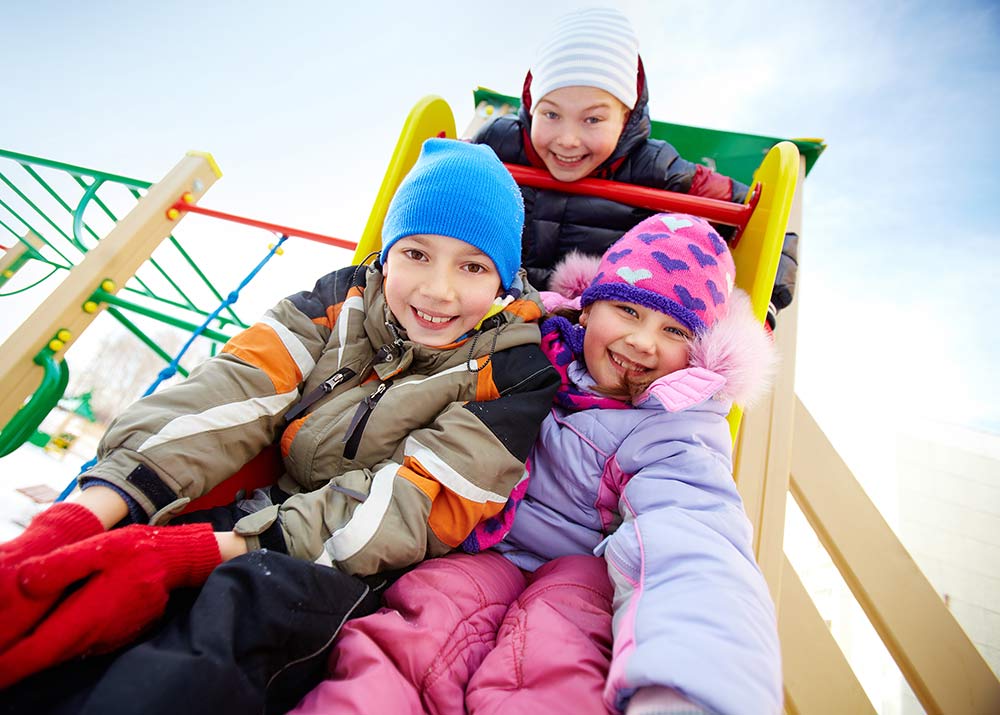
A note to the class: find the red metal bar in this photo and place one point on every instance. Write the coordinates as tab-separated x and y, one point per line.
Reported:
644	197
181	205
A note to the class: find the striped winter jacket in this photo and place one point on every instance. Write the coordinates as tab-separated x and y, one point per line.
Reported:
405	451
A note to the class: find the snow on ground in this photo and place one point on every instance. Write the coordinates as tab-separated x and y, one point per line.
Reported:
30	466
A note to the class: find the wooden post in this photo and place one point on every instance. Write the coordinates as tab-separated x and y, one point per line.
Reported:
116	257
944	669
818	678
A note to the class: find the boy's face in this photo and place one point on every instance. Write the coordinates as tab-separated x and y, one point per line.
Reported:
438	287
574	129
630	344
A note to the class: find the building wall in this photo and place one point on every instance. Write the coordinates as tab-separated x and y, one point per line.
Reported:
949	520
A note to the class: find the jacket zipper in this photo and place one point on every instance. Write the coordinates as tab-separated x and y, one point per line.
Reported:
357	427
324	389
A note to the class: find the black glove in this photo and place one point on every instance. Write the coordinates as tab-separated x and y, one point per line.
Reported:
784	279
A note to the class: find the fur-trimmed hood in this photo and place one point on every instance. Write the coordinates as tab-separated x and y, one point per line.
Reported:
737	351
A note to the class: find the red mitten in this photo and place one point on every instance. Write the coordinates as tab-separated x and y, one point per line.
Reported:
129	575
59	525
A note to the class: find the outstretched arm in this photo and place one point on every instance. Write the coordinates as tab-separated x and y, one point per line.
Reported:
692	608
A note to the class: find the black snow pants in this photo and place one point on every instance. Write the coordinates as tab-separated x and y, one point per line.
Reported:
254	639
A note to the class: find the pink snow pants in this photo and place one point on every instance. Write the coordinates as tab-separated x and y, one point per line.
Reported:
474	634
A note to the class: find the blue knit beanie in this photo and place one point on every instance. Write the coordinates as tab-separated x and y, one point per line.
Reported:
462	191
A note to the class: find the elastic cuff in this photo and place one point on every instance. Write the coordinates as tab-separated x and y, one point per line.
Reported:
136	514
191	553
75	522
273	539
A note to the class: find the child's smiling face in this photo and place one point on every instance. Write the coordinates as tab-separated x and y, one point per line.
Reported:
575	129
630	345
438	287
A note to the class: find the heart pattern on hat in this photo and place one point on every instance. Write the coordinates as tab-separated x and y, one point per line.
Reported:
648	238
669	264
703	258
717	297
633	276
675	264
615	256
674	223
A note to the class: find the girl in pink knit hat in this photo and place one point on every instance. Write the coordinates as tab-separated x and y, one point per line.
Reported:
627	581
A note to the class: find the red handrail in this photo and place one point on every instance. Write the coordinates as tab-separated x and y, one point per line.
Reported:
644	197
183	205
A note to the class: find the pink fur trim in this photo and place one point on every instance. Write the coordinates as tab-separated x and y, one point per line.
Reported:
573	274
739	349
553	301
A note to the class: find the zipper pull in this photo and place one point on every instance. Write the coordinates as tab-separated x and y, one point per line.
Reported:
324	389
334	380
377	395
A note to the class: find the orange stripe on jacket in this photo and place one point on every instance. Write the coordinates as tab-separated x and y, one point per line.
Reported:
525	309
333	311
452	517
260	346
486	389
289	434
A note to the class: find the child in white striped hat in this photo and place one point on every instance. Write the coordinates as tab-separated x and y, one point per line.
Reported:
584	84
584	114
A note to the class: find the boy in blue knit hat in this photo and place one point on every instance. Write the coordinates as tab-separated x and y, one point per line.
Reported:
405	398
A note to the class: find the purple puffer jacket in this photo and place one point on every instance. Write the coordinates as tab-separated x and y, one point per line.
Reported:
652	490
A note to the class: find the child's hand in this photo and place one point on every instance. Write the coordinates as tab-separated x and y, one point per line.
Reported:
128	574
59	525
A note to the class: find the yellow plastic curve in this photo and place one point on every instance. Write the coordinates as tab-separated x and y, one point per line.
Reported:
759	248
430	117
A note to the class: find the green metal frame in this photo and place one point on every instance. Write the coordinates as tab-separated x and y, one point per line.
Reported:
20	203
47	396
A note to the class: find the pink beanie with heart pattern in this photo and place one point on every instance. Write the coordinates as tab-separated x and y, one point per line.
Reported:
674	263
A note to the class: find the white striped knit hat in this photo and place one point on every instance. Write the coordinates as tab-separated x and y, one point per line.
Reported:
596	47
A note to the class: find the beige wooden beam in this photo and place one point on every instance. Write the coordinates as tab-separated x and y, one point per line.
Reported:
944	669
117	256
818	678
765	439
13	258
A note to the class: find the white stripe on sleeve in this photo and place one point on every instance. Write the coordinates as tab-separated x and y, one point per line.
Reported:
293	345
220	417
448	477
355	302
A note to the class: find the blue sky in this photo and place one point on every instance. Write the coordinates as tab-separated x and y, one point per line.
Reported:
301	107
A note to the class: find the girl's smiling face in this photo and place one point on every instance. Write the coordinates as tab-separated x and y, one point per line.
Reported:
575	129
629	345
